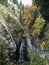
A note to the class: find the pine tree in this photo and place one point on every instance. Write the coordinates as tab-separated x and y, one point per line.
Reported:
21	6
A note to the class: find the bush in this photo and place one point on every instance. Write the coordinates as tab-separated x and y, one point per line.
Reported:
39	25
25	63
36	60
4	2
3	55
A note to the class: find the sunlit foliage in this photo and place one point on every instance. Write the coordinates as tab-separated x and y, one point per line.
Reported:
30	13
39	25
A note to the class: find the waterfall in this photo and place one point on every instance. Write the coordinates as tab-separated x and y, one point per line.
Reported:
22	49
7	37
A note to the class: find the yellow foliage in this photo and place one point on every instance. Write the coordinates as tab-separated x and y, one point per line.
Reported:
39	25
29	14
43	44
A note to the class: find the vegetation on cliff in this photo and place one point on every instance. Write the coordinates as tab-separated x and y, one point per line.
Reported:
30	22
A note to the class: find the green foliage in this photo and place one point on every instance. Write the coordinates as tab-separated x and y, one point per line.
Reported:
25	63
44	5
30	14
3	55
21	8
39	25
47	47
30	20
25	30
36	60
3	2
15	2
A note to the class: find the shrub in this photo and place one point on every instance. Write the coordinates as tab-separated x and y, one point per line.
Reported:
36	60
3	55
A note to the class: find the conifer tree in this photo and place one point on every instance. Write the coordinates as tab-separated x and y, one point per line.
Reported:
44	8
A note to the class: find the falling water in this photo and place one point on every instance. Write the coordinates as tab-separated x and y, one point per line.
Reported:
22	49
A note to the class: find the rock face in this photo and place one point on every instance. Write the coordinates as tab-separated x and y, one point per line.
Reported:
7	37
6	17
8	23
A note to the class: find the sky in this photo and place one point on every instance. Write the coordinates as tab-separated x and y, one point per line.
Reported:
26	2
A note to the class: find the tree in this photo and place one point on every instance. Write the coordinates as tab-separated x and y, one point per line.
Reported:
3	2
44	8
3	55
33	23
39	25
30	14
15	2
21	8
